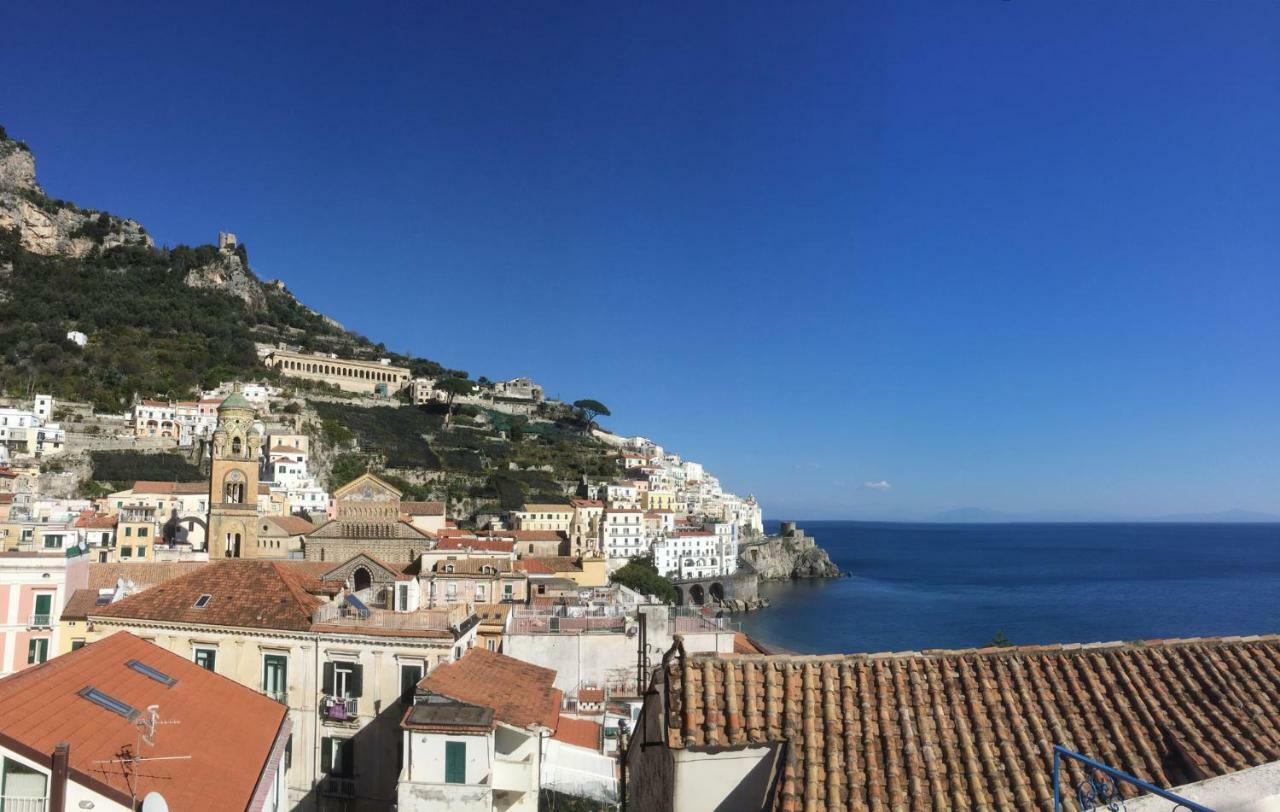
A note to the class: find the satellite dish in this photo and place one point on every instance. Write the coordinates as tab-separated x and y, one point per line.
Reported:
154	802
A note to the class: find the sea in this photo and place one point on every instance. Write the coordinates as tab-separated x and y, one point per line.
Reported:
916	586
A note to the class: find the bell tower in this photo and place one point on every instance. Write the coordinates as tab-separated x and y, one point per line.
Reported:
233	481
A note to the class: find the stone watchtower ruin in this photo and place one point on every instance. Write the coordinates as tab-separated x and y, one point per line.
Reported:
226	241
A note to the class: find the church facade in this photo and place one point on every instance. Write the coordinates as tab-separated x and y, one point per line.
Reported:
368	521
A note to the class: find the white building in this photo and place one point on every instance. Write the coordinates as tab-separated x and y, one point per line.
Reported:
623	535
78	338
25	432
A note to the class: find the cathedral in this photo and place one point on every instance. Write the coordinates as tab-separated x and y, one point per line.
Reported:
233	481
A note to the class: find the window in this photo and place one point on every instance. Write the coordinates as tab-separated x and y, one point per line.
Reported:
410	676
343	679
19	782
491	645
109	702
77	643
155	674
455	762
275	676
142	532
402	597
507	592
44	608
126	552
52	542
337	756
128	532
142	552
37	650
203	601
206	657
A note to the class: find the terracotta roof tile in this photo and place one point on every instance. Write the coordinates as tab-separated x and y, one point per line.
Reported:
551	563
520	693
486	545
579	732
81	602
947	730
244	593
42	706
149	486
291	525
142	573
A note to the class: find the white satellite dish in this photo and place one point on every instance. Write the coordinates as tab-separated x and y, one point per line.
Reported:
154	802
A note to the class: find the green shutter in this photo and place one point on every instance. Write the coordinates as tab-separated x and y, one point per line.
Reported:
455	762
326	754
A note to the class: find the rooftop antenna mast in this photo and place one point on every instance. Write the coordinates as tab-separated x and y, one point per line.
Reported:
145	723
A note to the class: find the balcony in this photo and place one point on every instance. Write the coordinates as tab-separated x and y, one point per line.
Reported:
514	776
279	696
340	710
336	787
446	619
38	621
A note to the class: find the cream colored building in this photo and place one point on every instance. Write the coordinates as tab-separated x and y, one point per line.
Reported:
346	374
556	518
343	674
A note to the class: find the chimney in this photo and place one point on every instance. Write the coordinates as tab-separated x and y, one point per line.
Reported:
58	790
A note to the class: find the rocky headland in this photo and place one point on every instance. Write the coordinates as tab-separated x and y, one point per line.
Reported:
790	554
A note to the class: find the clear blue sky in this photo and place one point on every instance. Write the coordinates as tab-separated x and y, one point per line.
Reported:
1019	255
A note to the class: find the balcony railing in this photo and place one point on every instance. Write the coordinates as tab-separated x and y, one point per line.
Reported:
340	709
1101	786
279	696
336	787
10	803
38	621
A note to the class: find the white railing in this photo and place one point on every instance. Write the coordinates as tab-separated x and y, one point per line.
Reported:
41	622
10	803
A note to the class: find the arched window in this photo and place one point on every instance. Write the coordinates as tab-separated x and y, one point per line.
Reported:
235	445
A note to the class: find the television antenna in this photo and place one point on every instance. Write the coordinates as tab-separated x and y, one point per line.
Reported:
145	723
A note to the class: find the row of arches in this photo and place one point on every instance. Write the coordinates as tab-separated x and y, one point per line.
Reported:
339	370
696	595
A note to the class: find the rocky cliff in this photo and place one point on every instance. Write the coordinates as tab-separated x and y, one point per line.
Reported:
229	273
54	227
791	554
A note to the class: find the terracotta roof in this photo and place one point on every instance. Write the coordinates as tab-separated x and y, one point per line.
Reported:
291	525
96	521
492	613
153	403
245	593
745	645
586	503
81	602
590	694
556	563
170	488
142	573
285	449
521	694
422	508
579	732
487	545
535	535
534	566
6	499
546	507
42	706
974	729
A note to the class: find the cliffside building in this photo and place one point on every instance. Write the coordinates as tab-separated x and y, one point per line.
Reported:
370	377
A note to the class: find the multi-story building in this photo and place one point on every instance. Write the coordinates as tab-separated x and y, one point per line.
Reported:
34	587
584	530
25	432
483	579
689	554
542	516
373	377
298	632
486	733
121	720
177	509
623	535
155	418
623	494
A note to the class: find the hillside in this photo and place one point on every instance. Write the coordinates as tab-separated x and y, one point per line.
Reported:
160	321
168	322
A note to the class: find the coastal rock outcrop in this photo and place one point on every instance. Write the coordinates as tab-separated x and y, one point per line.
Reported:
790	554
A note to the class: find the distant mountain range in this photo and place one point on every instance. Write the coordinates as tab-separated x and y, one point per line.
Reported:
976	515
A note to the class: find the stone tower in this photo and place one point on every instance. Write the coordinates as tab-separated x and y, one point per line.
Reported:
233	480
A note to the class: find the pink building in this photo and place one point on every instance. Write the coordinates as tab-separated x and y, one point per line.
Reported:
34	588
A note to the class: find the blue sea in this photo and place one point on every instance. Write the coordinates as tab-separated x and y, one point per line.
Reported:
915	586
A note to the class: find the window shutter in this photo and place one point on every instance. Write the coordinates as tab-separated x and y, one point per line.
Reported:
355	684
328	679
326	754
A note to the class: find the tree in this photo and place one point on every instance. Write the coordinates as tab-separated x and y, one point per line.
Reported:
1000	641
453	387
641	575
591	409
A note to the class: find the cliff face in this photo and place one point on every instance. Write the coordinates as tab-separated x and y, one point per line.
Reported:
46	226
230	274
790	555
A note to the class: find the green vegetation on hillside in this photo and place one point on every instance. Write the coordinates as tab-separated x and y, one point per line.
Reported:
123	468
641	575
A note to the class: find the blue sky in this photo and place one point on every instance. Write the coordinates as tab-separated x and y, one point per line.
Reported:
1017	255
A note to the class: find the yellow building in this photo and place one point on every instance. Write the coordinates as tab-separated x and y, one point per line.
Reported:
233	483
658	500
136	531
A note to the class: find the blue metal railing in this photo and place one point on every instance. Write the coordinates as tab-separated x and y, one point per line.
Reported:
1100	789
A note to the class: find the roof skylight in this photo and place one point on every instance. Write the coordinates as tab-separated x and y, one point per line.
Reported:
108	702
159	676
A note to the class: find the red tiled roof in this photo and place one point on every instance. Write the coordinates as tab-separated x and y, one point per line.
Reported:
579	732
553	563
171	488
520	693
79	604
587	503
546	507
96	521
291	525
245	593
285	449
486	545
142	573
534	535
6	499
974	729
745	645
591	695
42	706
